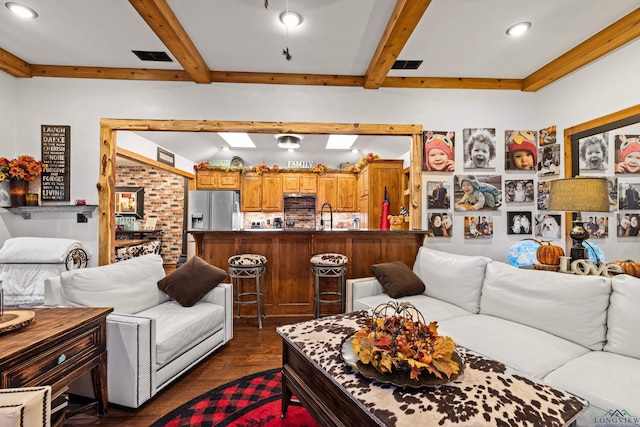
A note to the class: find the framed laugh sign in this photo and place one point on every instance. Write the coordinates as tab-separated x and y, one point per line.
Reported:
56	153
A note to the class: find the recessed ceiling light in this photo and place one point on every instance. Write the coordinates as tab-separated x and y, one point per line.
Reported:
21	10
225	148
291	18
518	29
355	150
340	142
237	139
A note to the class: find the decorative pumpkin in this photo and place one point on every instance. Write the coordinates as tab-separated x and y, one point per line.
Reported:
547	253
630	267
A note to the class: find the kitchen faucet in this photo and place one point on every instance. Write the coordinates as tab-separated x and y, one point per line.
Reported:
330	215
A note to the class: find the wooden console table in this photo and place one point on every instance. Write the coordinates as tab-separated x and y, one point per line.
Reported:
335	395
57	348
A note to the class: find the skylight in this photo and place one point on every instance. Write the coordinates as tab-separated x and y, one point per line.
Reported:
340	142
237	139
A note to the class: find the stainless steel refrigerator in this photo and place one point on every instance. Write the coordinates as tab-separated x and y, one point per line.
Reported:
214	210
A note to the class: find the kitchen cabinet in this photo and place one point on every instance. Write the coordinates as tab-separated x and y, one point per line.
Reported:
372	181
261	193
217	180
299	183
346	193
251	192
272	192
339	190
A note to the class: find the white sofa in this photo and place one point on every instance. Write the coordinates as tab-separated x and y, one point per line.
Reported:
577	333
151	339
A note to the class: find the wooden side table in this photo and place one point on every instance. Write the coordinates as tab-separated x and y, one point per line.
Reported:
57	348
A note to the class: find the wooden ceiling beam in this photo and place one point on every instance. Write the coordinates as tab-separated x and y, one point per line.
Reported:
611	38
159	16
403	21
286	79
452	83
11	64
110	73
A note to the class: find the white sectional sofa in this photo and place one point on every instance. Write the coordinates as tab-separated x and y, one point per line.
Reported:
151	339
577	333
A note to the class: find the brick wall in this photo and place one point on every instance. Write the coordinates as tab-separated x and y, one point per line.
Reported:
163	199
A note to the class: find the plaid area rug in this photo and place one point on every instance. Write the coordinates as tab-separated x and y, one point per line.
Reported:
254	400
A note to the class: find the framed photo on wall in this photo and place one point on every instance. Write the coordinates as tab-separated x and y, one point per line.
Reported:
130	201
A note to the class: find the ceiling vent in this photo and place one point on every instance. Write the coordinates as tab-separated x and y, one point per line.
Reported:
147	55
406	65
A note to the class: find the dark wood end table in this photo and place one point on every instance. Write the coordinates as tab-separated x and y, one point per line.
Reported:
57	348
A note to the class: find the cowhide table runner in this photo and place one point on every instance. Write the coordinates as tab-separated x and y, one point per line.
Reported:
488	393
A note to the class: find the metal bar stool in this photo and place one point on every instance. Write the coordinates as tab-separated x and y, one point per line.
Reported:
248	266
329	265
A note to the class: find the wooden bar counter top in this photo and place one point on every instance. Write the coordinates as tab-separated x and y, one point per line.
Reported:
288	280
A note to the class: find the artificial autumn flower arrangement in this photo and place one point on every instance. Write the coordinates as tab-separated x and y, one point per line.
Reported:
401	344
25	167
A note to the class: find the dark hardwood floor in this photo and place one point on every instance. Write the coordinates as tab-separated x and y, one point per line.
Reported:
251	350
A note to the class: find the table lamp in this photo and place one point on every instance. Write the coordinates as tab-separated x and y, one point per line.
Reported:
579	195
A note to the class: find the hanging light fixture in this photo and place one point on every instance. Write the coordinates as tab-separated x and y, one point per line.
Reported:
288	141
291	19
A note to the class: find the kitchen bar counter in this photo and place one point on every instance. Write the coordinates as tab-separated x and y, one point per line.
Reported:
288	281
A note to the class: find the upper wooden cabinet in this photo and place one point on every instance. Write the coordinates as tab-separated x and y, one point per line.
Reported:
272	200
363	182
299	183
251	192
217	180
371	184
339	190
261	193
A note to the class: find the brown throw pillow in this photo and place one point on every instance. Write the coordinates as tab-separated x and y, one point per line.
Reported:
191	281
397	279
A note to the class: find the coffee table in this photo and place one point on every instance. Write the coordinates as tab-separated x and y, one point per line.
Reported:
488	393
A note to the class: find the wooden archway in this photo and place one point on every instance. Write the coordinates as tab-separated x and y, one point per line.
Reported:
109	127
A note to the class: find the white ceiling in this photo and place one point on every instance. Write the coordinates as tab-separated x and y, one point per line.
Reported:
455	39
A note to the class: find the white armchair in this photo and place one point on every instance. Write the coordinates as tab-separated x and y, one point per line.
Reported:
151	339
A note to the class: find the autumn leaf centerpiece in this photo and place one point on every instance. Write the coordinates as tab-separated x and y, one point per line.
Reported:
397	341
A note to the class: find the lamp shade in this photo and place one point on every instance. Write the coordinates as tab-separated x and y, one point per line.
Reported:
579	195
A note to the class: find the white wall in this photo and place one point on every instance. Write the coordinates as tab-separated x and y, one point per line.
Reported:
134	142
81	103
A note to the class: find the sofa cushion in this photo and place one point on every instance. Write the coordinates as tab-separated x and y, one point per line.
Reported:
180	328
397	279
191	281
128	286
567	305
453	278
431	309
521	347
624	317
606	380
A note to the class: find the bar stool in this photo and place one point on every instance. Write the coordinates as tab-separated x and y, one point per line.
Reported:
329	265
248	266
